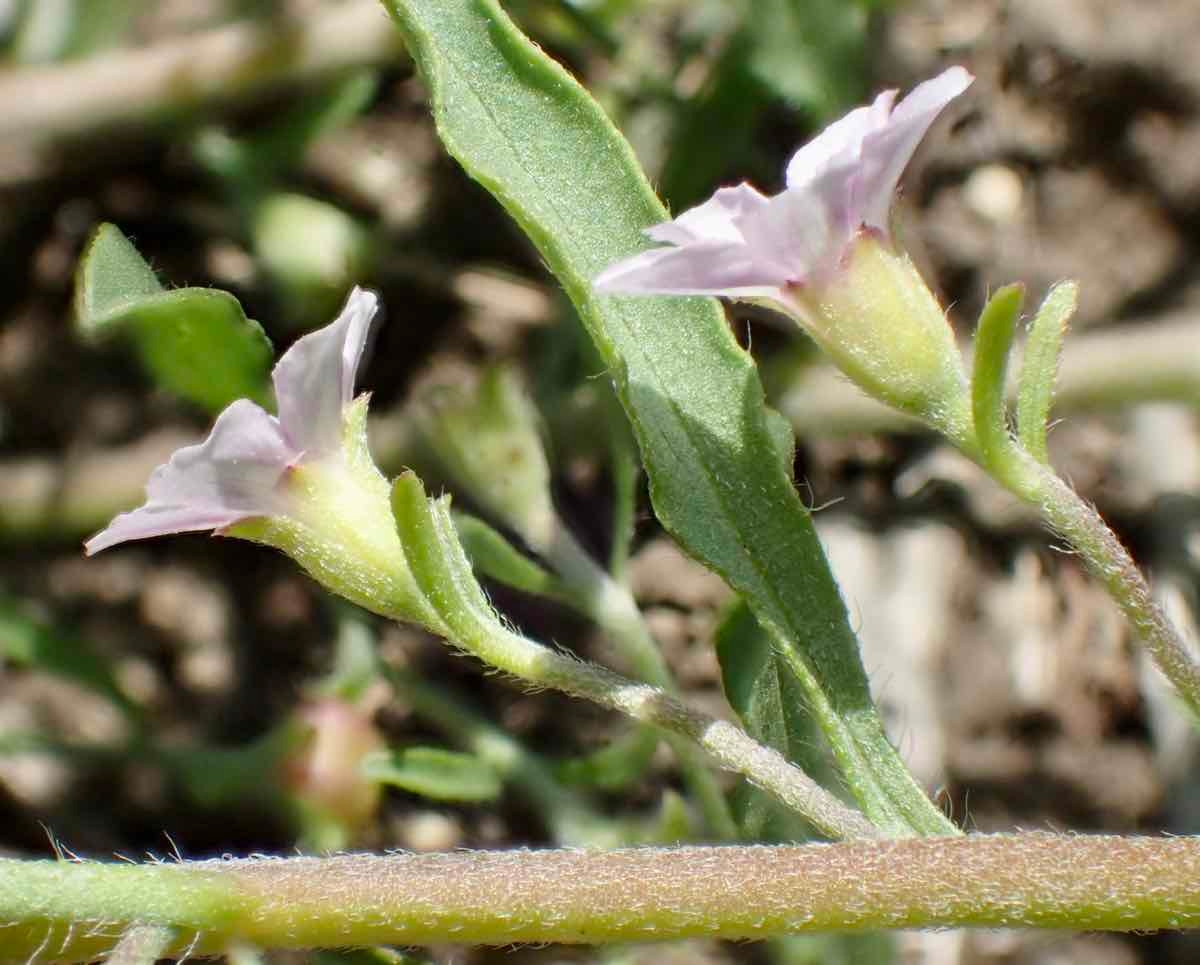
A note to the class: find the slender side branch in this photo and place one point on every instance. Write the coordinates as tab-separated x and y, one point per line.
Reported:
612	606
497	898
442	572
729	746
1082	527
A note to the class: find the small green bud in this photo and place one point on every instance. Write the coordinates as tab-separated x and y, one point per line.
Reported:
486	438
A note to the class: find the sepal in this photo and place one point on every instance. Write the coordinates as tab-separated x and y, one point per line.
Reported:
883	327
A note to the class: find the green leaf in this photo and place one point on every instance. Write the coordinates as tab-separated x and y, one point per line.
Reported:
614	766
195	342
432	772
1039	368
111	278
495	557
989	402
771	706
765	696
522	127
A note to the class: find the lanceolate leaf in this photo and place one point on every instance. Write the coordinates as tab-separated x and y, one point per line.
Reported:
523	128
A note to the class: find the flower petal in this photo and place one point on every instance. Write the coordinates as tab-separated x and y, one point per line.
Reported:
840	143
231	476
713	220
699	268
805	232
743	244
887	151
314	380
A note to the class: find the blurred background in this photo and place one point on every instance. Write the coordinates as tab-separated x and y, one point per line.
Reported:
200	696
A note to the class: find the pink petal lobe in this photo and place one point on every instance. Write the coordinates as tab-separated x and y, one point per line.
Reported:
699	268
231	476
840	143
743	244
886	152
802	234
711	221
147	521
314	380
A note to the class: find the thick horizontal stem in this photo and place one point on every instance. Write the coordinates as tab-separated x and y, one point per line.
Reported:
75	911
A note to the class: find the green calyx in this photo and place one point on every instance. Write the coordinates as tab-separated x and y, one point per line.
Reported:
339	528
881	325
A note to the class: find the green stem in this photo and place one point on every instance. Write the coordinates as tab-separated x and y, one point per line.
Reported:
727	745
613	608
1068	514
79	911
441	569
1073	518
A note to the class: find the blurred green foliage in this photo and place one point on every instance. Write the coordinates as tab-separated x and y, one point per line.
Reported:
195	342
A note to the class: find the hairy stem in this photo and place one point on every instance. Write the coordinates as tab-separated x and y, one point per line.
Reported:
727	745
613	608
1073	518
78	911
1085	531
566	815
441	569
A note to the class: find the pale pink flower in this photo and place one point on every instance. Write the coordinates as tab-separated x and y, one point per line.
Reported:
744	244
239	471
